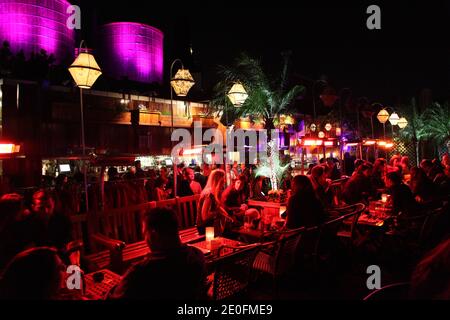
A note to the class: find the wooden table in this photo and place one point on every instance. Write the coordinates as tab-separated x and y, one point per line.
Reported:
215	248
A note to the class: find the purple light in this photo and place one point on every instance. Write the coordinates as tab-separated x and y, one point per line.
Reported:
132	50
33	25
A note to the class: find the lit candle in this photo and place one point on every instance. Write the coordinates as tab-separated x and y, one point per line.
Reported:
209	233
384	198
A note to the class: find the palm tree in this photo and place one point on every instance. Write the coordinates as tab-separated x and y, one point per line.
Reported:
414	130
436	124
267	100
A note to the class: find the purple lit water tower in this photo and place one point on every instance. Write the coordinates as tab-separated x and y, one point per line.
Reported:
33	25
132	50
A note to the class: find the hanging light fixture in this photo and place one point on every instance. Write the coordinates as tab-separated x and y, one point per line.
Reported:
321	135
402	123
328	127
394	118
237	95
383	116
182	82
313	127
85	70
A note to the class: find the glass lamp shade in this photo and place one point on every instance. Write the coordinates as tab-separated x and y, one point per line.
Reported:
237	95
85	70
328	127
321	134
338	132
313	127
394	118
402	123
182	82
383	116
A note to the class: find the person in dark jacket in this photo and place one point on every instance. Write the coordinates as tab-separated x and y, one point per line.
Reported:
171	271
359	187
402	198
304	209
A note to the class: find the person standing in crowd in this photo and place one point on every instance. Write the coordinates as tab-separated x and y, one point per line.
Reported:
172	270
303	208
202	178
159	192
406	167
210	212
189	186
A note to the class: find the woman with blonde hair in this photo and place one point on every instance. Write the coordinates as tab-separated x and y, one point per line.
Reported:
210	212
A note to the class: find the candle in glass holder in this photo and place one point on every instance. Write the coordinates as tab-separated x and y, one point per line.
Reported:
209	233
384	198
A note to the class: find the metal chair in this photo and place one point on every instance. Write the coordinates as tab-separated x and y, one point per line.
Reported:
232	272
276	258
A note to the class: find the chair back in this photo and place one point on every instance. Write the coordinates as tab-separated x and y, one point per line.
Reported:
353	212
287	245
122	223
187	211
232	272
395	291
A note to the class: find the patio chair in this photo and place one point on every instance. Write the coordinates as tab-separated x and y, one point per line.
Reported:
232	272
277	258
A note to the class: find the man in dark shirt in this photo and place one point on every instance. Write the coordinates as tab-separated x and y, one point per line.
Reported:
401	195
171	271
359	187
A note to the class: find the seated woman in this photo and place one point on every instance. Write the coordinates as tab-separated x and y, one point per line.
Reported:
422	187
304	209
210	212
233	201
321	186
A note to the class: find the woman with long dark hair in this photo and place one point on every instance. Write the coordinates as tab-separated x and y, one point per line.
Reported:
304	209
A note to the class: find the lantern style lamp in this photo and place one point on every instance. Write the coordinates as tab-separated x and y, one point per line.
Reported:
313	127
328	127
84	71
394	118
402	123
321	135
383	117
237	95
181	83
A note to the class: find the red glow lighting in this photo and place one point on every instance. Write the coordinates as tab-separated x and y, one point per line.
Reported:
369	142
9	148
329	143
312	143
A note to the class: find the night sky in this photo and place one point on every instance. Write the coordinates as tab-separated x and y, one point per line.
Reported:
327	39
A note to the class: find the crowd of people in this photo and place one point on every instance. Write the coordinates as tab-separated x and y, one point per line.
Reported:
38	231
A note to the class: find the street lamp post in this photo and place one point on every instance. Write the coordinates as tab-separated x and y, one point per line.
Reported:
84	71
181	83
